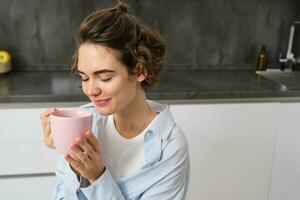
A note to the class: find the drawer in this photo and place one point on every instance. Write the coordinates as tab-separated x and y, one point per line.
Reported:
21	125
33	188
27	158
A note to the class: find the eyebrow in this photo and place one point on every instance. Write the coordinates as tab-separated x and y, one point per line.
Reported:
98	71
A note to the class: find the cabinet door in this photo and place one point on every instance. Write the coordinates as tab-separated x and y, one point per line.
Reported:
231	148
22	149
27	165
34	187
22	124
285	182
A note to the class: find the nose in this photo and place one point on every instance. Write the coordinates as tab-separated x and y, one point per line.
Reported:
92	88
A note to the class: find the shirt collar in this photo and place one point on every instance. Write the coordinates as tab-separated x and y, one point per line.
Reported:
158	133
164	122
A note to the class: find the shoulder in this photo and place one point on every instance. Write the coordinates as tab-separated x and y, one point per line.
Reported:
175	148
176	143
175	152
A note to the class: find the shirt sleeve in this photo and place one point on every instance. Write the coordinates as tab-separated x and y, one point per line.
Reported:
105	188
68	187
67	184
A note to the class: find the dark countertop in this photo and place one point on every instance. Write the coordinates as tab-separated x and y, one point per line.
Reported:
181	85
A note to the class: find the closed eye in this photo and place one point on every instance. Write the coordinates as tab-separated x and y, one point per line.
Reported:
106	79
103	75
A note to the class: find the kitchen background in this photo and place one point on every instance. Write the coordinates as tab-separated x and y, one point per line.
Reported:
199	33
232	157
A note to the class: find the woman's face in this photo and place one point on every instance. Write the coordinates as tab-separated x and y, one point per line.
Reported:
105	80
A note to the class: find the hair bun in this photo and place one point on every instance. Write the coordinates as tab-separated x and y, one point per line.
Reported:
121	7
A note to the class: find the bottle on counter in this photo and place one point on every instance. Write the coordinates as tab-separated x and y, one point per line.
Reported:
262	59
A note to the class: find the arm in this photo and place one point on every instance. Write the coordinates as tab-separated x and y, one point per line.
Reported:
104	188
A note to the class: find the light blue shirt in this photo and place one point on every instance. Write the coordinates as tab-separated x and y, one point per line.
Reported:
165	175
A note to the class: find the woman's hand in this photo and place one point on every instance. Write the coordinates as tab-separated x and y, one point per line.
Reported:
46	127
85	157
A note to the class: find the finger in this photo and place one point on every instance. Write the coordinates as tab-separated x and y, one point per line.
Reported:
77	165
93	141
49	142
83	157
72	152
87	148
45	115
47	129
48	137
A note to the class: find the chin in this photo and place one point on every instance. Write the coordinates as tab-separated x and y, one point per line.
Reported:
104	112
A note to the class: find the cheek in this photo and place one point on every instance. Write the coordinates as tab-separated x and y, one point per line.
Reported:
112	88
117	88
105	89
122	91
109	91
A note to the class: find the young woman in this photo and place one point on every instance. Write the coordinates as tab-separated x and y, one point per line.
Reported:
135	150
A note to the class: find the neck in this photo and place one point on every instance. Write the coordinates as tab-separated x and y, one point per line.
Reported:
133	119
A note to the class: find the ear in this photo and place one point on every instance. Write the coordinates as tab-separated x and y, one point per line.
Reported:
141	72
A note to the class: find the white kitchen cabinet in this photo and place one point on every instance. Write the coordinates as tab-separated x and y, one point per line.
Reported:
32	187
27	165
285	183
21	122
22	149
231	148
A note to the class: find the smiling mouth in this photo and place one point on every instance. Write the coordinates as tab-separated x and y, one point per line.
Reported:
101	103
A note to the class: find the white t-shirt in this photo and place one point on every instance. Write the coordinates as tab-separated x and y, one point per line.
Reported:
122	156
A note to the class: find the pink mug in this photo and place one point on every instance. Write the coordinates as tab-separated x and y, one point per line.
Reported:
67	126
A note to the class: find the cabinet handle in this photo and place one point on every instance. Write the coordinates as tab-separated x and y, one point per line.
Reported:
26	175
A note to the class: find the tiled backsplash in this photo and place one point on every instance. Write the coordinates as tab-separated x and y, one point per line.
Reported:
199	33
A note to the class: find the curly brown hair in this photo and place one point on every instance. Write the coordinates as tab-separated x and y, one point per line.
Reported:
117	29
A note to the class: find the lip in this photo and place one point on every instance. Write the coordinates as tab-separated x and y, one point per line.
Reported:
102	102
